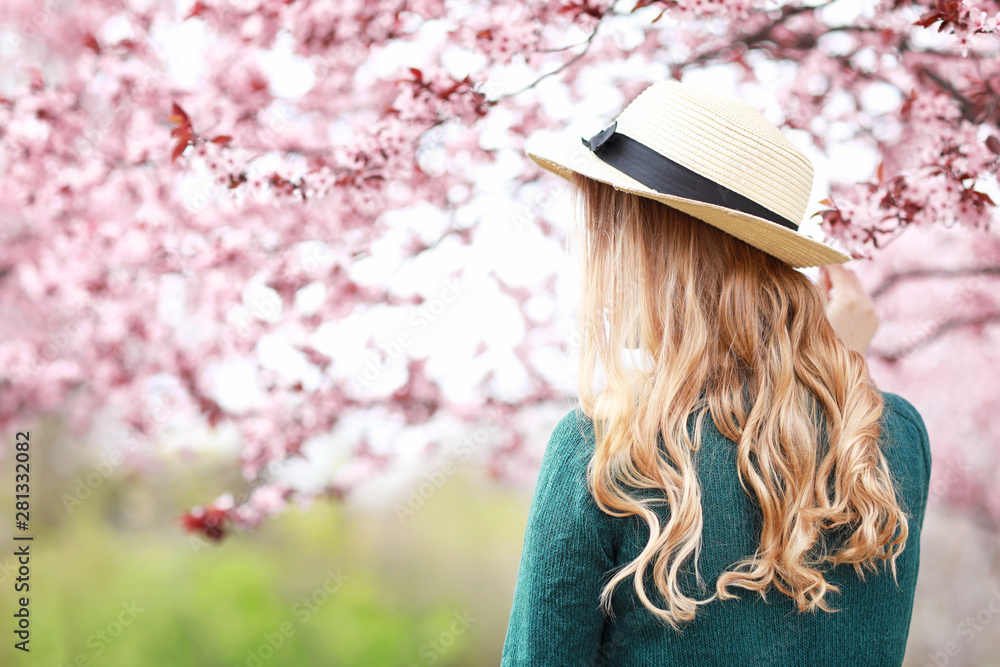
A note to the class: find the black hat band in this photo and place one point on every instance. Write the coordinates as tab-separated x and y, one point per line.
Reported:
671	178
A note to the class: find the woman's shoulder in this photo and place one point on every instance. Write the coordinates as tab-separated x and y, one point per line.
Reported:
575	424
906	431
899	411
899	406
572	438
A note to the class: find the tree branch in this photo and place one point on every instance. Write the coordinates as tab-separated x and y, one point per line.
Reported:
586	47
923	341
922	273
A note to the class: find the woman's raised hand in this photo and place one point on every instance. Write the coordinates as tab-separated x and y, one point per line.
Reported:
848	307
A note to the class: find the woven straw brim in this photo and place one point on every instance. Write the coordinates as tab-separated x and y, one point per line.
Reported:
785	244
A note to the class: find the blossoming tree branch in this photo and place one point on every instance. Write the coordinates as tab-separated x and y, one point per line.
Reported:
159	223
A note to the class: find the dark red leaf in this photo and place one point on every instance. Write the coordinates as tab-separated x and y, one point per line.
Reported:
177	114
178	149
197	9
91	42
210	522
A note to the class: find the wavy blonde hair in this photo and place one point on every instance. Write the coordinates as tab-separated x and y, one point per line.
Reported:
725	329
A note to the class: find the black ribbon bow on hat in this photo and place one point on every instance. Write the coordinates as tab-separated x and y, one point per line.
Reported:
598	139
667	177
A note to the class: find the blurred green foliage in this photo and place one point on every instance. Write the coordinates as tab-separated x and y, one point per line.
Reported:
114	584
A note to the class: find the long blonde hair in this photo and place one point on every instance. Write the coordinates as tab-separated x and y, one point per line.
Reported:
726	329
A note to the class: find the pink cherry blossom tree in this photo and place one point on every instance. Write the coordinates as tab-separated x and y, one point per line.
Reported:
160	222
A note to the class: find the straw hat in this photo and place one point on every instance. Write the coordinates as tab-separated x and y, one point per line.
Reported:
710	155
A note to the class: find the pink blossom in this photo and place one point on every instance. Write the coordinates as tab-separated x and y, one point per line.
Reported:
137	207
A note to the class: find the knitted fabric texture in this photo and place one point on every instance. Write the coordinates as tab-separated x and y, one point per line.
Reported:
571	547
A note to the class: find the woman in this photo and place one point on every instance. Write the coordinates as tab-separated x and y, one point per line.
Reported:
733	488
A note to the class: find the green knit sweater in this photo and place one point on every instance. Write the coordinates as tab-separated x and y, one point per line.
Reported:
570	548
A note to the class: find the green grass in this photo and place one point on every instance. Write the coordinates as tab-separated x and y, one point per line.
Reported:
258	599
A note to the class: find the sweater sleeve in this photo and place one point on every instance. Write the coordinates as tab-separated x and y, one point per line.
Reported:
555	618
917	439
905	408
